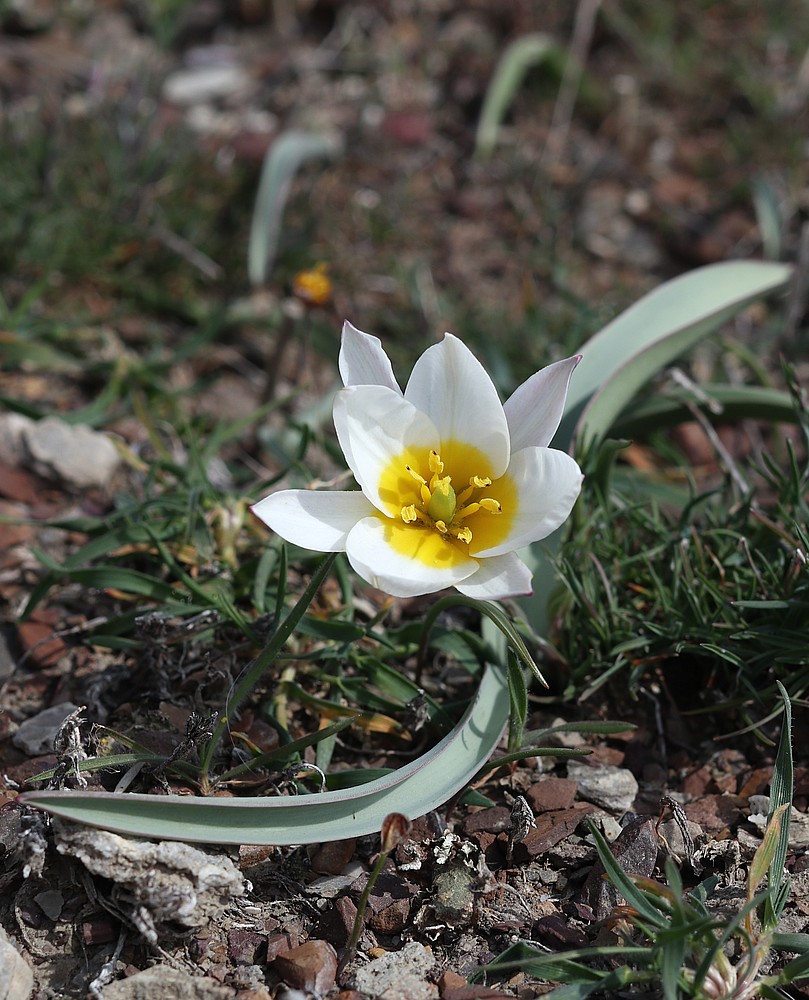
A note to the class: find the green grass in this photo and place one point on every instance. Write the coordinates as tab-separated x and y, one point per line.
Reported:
713	588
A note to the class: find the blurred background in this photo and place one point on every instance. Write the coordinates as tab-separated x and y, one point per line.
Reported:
627	143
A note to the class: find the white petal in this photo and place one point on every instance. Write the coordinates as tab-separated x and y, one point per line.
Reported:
374	426
452	387
535	408
372	555
547	483
363	360
318	520
497	578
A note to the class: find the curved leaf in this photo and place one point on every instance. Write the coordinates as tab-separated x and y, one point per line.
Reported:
649	335
515	62
289	151
415	789
626	354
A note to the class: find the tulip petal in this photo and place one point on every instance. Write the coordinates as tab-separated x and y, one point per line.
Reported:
534	410
319	520
375	427
404	560
363	360
450	385
498	578
547	483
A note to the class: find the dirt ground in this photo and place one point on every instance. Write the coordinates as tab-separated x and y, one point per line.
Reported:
686	126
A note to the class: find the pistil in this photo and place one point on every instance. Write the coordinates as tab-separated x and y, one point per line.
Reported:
440	508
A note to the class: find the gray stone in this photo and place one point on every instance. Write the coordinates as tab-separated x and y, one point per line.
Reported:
163	981
16	978
36	735
612	788
167	881
399	975
204	83
13	428
77	456
798	821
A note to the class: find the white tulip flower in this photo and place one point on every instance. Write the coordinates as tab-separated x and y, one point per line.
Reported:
452	482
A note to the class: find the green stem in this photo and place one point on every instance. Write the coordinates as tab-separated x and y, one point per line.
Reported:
496	615
359	919
266	657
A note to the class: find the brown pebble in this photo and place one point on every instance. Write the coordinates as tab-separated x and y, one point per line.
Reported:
246	947
549	794
337	923
332	857
311	966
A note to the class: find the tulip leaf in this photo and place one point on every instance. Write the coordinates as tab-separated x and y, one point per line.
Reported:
515	62
628	352
284	157
415	789
652	333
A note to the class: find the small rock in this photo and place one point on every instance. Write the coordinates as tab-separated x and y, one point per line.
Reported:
246	947
496	819
549	794
610	787
204	83
167	882
16	978
77	456
399	975
311	966
798	822
551	829
36	735
51	902
453	893
39	642
337	922
163	981
715	813
636	852
13	428
332	857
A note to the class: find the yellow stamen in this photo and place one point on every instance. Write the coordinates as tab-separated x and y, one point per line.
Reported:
463	535
487	503
409	514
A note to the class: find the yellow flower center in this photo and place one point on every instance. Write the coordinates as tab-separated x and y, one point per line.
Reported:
443	512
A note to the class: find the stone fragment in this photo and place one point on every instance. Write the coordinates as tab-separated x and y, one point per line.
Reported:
635	851
496	819
337	922
549	794
311	966
715	813
51	902
246	947
16	978
798	821
164	981
36	735
13	428
332	857
170	883
201	84
551	828
398	975
75	455
612	788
